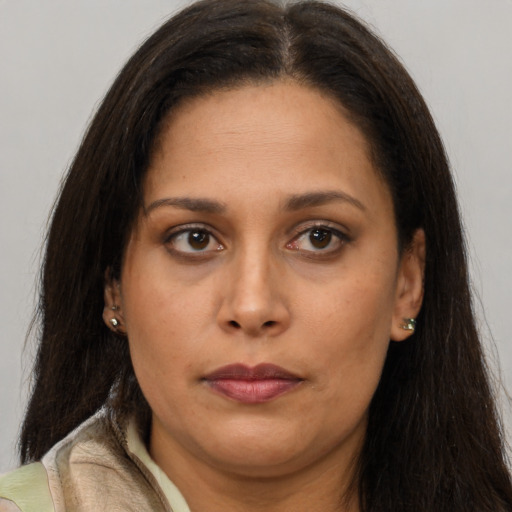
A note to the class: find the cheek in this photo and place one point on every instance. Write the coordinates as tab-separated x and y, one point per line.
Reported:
157	313
352	324
156	300
352	308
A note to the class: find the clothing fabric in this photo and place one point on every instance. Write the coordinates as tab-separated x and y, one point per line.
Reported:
103	465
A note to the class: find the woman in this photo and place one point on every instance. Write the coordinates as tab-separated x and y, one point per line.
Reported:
255	294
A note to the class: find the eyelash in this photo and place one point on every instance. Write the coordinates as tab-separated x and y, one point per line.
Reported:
322	230
173	237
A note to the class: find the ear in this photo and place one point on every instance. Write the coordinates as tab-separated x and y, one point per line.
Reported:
112	311
409	289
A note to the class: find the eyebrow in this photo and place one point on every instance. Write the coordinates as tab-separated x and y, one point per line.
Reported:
311	199
187	203
293	203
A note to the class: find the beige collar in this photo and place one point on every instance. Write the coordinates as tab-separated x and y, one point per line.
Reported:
137	448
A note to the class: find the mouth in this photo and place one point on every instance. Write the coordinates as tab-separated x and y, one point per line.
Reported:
252	385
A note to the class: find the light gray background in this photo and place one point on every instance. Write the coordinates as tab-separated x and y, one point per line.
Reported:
57	57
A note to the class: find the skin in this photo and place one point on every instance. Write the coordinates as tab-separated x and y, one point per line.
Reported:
262	290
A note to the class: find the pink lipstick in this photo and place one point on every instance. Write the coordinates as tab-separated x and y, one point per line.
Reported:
255	385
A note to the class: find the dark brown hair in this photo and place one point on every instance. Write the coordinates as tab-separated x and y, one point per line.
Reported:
433	441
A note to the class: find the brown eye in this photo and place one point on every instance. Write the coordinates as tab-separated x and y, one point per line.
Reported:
193	241
320	238
198	240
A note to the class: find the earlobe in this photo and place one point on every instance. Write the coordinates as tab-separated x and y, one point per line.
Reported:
410	287
112	311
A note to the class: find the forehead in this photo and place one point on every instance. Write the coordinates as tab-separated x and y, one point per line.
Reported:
284	135
284	111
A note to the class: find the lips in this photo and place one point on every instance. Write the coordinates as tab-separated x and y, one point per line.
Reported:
252	385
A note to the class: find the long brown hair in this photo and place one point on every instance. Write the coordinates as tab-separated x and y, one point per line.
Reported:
433	441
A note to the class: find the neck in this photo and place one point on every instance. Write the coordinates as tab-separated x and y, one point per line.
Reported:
273	495
324	485
300	493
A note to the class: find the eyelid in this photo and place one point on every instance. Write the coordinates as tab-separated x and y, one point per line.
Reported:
334	228
298	231
185	228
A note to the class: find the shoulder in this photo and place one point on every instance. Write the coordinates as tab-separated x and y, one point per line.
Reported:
26	489
91	469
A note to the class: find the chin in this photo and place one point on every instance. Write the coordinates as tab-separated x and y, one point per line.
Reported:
257	450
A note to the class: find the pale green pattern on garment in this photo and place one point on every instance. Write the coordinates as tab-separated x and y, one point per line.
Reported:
172	493
27	487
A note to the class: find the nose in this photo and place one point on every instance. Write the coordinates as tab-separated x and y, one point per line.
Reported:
254	300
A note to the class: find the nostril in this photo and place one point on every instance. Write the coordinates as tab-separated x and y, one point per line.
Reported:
236	325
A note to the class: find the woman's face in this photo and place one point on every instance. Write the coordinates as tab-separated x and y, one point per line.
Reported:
262	283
